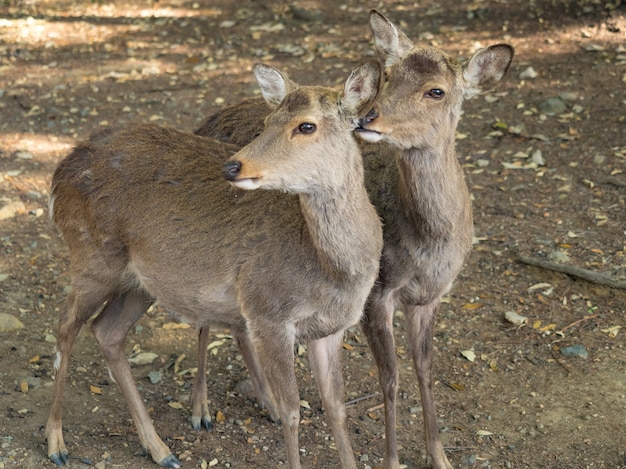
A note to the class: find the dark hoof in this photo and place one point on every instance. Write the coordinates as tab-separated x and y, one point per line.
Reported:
61	458
171	461
200	424
207	424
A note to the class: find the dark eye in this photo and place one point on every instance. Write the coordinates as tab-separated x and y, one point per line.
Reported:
306	128
435	93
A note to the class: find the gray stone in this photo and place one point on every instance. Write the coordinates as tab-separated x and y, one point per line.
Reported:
9	323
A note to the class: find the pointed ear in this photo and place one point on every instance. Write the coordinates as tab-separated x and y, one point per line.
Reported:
486	68
274	84
362	88
391	43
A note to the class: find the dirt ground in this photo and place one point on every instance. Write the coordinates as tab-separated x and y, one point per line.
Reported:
545	158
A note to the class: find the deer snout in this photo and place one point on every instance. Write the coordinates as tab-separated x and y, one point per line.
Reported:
231	169
243	178
371	116
364	131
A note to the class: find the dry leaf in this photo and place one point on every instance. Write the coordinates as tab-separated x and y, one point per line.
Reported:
515	318
220	417
469	354
456	386
95	390
175	405
24	387
35	359
471	305
612	331
483	433
215	344
348	346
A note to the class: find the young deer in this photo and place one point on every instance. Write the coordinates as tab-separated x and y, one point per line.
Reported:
416	183
147	215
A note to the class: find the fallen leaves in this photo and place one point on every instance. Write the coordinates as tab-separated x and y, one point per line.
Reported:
470	355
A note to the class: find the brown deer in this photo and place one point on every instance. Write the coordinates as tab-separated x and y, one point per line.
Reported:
147	214
416	183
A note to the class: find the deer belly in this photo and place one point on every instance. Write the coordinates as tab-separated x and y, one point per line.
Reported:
195	298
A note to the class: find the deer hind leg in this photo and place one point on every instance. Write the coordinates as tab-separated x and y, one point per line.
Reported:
81	305
420	323
200	416
325	359
110	329
274	347
261	387
378	328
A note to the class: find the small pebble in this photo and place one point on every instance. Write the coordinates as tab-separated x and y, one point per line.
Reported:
529	72
9	323
143	358
575	351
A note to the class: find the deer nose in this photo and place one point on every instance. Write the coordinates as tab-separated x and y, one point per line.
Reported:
369	117
231	169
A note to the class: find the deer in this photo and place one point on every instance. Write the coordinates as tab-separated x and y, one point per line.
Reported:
416	183
152	213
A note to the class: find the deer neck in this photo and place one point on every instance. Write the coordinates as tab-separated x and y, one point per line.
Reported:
432	189
344	228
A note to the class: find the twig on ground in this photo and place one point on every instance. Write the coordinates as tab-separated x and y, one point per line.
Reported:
376	407
362	398
588	275
586	318
560	362
613	181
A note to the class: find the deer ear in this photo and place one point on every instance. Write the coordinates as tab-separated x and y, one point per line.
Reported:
486	68
391	43
362	88
274	84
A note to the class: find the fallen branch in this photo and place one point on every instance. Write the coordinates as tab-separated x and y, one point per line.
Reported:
588	275
362	398
613	181
586	318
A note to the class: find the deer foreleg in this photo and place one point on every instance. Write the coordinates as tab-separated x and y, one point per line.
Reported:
200	416
325	359
420	323
378	328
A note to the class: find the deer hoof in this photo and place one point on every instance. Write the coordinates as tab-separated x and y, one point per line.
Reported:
207	424
61	458
201	423
170	461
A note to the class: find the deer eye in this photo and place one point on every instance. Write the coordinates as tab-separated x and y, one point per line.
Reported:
306	128
435	93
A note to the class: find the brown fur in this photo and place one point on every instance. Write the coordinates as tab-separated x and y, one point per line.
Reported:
418	187
147	214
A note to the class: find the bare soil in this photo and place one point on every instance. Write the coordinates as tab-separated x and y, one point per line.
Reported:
547	184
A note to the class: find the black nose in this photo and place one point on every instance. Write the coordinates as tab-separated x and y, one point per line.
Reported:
231	169
369	117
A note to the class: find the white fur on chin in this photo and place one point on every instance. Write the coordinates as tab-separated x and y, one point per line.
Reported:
370	136
246	184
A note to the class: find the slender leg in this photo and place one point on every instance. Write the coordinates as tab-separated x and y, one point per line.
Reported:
80	307
378	328
110	329
200	416
325	358
276	358
262	389
420	322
